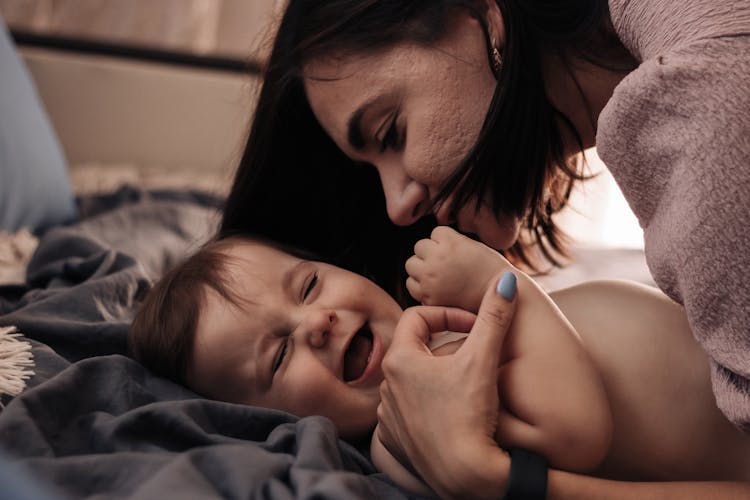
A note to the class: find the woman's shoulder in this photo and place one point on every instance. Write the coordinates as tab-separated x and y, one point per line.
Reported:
677	120
650	29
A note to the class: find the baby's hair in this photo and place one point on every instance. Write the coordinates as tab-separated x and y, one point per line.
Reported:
162	334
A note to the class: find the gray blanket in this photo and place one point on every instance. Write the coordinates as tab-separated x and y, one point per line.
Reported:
94	423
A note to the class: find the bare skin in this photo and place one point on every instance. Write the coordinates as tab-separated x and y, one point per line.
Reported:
420	110
665	424
587	398
408	193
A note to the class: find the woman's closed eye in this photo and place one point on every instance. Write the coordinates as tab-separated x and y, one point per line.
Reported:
390	139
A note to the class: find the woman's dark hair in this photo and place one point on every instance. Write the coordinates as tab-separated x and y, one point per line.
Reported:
294	185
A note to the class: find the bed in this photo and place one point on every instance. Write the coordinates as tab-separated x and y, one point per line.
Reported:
93	423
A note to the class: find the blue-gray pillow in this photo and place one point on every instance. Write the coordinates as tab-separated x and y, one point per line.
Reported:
34	187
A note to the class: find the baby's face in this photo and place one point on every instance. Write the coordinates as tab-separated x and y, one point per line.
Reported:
305	337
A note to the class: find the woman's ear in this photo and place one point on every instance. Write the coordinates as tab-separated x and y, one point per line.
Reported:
495	25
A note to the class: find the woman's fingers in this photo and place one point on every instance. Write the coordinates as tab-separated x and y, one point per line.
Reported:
418	323
453	397
488	327
494	317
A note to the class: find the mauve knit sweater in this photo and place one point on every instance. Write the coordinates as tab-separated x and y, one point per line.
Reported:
676	137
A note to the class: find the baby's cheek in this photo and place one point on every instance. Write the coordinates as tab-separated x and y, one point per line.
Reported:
309	397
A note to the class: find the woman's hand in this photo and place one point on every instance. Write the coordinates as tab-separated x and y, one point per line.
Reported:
450	269
439	414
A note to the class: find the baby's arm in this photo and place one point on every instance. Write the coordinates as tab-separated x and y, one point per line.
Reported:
552	397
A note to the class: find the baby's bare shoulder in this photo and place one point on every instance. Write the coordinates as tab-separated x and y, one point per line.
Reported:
618	298
387	463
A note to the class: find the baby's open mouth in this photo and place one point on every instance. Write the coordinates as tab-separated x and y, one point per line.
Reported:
357	354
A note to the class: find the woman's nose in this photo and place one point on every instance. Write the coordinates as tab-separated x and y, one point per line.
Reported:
317	326
406	200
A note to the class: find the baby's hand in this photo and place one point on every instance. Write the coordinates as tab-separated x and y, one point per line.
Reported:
450	269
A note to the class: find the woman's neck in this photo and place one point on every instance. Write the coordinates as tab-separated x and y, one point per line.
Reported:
580	89
580	86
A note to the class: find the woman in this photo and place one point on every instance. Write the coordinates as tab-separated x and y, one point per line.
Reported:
474	111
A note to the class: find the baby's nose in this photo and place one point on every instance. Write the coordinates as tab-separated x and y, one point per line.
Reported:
319	327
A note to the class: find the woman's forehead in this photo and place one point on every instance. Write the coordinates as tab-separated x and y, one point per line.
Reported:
392	59
342	84
341	89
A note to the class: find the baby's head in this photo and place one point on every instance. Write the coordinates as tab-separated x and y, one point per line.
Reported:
245	321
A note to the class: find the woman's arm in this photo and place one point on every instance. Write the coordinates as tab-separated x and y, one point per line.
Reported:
450	396
552	399
454	397
569	486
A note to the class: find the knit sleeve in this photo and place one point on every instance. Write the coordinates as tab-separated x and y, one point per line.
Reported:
650	28
676	137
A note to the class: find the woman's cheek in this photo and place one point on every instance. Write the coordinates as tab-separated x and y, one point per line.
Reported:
436	153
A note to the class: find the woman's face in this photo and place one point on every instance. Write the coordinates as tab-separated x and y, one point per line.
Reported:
414	112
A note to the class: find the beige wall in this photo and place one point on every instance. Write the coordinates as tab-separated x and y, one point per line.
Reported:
117	111
245	26
228	27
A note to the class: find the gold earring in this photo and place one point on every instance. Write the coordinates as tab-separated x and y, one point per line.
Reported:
497	58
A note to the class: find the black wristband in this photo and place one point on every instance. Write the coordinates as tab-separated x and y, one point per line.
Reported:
528	476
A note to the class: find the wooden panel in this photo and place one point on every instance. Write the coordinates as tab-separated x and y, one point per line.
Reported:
227	27
123	112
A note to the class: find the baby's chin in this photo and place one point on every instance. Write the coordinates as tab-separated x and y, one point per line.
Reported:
358	432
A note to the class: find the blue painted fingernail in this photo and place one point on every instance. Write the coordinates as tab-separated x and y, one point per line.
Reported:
506	287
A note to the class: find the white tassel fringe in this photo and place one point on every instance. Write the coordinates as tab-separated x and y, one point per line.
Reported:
16	361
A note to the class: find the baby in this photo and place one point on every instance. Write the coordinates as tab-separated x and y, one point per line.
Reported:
585	378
